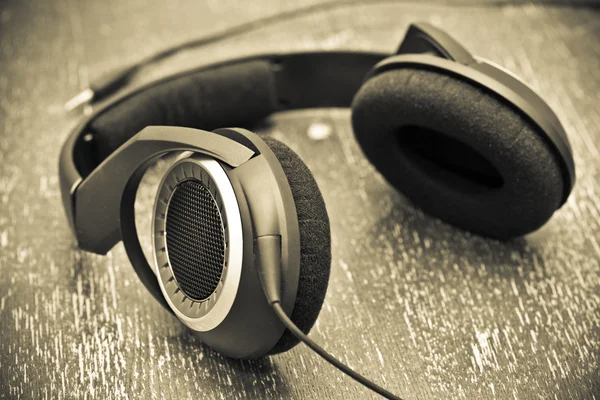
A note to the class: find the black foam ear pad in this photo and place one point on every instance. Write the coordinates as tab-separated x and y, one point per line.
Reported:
315	243
236	94
458	151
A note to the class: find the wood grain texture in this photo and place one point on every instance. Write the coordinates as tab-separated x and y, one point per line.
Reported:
427	310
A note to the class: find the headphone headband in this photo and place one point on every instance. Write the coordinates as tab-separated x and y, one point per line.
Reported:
235	92
243	91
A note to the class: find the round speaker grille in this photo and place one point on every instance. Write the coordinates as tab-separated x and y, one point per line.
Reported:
195	240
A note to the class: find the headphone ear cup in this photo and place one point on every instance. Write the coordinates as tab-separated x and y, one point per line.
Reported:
315	243
458	151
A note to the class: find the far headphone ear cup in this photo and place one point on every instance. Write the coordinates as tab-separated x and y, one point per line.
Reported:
458	151
315	243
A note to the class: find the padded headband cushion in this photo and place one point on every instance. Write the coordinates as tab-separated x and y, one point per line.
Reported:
236	94
458	151
315	243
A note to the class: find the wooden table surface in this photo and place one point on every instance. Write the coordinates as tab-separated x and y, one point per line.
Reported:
427	310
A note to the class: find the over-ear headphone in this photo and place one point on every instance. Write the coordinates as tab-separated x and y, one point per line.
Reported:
241	236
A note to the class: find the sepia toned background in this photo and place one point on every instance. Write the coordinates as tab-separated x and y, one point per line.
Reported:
427	310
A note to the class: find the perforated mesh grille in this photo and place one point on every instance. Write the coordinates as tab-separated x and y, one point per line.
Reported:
195	241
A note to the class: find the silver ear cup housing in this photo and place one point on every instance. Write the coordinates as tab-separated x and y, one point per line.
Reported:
180	257
245	203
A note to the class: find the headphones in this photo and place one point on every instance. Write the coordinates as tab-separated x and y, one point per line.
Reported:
241	237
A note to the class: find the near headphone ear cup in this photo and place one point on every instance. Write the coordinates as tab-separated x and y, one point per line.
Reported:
315	243
458	151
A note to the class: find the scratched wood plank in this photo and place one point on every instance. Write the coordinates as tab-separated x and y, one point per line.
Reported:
428	310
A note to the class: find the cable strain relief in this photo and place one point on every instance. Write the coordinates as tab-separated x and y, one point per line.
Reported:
267	258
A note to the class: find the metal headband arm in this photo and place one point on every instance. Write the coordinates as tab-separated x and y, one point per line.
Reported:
425	38
97	202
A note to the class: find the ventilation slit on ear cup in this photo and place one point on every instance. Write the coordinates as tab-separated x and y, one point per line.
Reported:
448	159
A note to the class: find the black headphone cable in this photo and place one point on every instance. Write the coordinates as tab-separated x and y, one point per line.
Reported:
269	271
328	357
